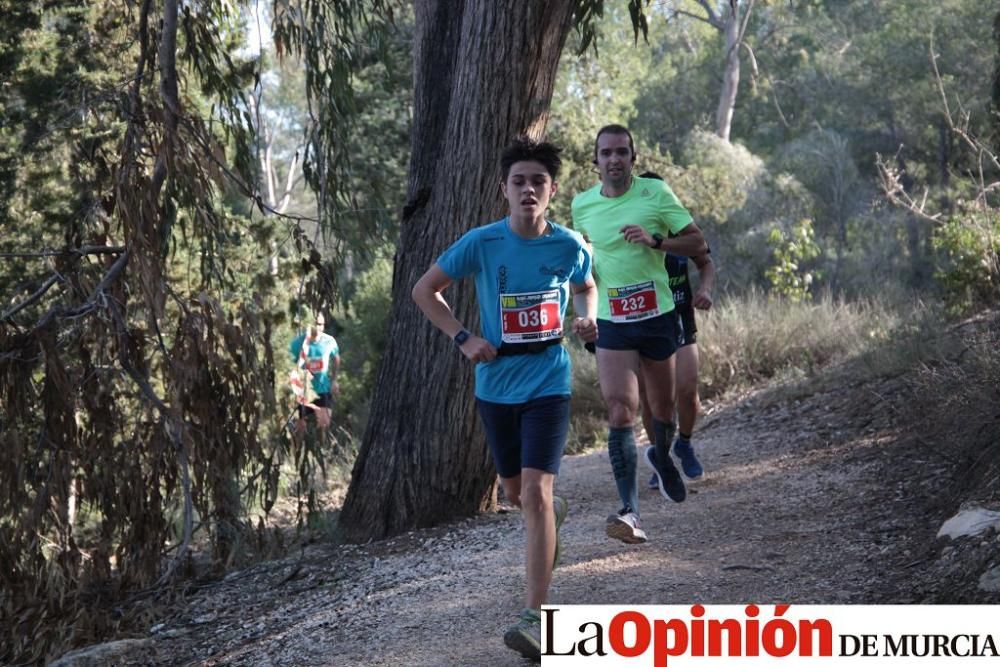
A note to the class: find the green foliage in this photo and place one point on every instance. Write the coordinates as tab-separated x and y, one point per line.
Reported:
718	179
364	327
335	40
995	95
970	274
137	383
592	91
793	250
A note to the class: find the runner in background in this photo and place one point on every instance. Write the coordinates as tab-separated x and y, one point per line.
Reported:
317	355
686	358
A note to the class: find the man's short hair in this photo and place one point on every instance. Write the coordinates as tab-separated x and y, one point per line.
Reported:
524	149
614	128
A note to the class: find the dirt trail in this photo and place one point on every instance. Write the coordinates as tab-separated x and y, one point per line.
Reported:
810	500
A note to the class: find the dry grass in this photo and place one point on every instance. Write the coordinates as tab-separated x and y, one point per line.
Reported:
954	405
588	421
752	339
755	338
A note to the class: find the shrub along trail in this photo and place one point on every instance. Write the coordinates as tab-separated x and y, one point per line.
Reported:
817	498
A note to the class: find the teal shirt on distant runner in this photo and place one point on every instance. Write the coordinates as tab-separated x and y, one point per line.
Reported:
628	274
523	289
319	356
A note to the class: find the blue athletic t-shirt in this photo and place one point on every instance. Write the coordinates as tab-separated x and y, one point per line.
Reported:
319	355
522	286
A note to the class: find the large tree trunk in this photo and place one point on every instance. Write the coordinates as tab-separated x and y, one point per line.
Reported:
483	73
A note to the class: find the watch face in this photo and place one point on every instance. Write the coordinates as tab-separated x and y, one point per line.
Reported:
461	337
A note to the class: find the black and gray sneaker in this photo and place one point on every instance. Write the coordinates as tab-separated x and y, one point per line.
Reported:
561	508
525	636
671	484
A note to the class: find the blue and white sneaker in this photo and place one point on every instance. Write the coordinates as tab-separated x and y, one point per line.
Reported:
671	484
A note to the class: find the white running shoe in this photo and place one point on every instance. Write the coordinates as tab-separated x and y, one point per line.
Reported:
625	526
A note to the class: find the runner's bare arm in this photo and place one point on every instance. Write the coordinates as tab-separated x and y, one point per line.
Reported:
426	294
590	249
334	370
706	282
585	309
689	242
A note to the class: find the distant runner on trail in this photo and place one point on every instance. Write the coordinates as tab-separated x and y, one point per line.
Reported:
524	268
317	355
628	220
686	358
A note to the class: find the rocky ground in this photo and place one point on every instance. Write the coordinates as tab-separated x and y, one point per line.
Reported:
809	498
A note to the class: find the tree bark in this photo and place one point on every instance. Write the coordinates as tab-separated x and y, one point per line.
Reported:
733	28
483	72
730	74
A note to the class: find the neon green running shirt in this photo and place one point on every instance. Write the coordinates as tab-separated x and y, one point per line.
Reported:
628	274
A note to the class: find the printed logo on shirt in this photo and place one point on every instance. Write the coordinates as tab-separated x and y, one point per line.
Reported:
558	272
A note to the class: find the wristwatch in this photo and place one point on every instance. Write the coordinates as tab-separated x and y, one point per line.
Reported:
659	241
461	337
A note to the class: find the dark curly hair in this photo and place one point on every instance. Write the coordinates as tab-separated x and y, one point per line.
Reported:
523	149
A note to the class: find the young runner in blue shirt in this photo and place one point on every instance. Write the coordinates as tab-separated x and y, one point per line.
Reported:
525	270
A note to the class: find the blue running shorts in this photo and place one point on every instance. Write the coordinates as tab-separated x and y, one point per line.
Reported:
526	435
656	338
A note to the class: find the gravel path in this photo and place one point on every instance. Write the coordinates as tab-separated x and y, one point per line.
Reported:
808	500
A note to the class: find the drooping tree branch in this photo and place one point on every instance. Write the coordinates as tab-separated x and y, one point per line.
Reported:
173	425
31	299
712	18
168	93
82	250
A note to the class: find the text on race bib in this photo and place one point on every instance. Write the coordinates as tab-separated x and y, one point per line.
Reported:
633	303
530	317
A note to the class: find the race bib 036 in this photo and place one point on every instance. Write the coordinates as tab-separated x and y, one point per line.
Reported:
530	317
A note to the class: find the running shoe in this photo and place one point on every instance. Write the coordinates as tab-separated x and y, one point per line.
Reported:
671	484
561	508
654	483
625	526
525	636
689	462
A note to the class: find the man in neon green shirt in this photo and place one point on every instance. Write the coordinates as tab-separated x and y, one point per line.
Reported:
627	220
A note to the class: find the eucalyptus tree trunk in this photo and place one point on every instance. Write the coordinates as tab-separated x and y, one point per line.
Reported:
730	74
733	27
483	73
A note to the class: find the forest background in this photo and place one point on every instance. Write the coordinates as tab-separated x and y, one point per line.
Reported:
182	183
